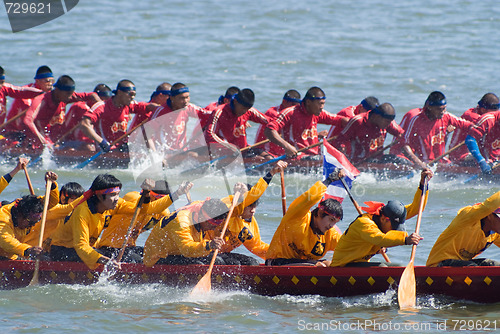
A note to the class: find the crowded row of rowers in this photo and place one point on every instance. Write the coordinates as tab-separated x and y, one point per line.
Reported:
103	118
98	227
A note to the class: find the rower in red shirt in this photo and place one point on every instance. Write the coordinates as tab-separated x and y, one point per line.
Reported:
160	96
425	135
6	89
228	124
111	122
48	111
488	103
180	110
70	135
303	119
367	104
44	80
290	99
223	99
487	132
365	133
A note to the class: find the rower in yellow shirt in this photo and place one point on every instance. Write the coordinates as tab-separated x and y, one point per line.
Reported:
244	230
382	226
303	237
113	236
74	240
69	197
470	233
5	180
18	219
185	236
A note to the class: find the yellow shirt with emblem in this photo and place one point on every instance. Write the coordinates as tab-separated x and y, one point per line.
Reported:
240	232
81	230
55	217
3	184
363	239
294	238
464	238
13	240
116	230
180	233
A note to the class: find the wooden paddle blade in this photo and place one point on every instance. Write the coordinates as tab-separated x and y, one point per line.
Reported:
407	288
204	285
34	279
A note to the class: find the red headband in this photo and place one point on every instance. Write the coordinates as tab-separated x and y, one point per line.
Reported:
373	207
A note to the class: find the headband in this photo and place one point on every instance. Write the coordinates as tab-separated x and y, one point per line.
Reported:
366	105
441	102
103	93
325	209
312	97
377	111
243	103
181	90
43	75
125	89
66	88
291	99
493	106
2	77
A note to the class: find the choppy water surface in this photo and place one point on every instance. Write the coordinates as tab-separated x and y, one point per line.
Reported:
398	52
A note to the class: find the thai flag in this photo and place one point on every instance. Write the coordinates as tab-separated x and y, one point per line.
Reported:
332	158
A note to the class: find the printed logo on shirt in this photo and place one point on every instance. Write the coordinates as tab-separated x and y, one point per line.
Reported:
466	255
376	143
179	128
309	133
119	126
496	144
57	119
438	138
106	221
240	131
318	249
245	234
28	14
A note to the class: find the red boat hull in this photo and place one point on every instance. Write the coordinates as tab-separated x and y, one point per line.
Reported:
479	284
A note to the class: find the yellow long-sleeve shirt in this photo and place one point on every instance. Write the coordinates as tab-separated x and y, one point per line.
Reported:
363	239
294	238
13	240
177	234
116	230
464	238
55	217
4	182
180	233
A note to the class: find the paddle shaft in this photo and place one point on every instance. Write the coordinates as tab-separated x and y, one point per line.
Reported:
281	157
13	119
30	186
419	219
131	226
473	177
283	193
89	160
46	199
67	133
358	208
454	148
254	145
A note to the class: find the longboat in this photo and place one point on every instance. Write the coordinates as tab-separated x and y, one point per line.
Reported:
477	284
120	160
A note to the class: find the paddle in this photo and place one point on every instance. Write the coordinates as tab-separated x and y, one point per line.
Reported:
30	186
131	226
473	177
407	286
283	193
205	283
454	148
34	280
95	156
281	157
13	119
386	258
